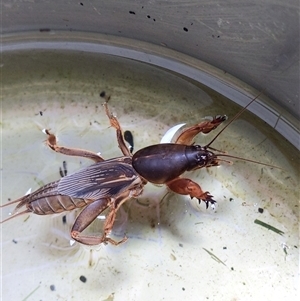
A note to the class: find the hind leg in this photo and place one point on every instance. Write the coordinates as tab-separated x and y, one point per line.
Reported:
115	123
52	143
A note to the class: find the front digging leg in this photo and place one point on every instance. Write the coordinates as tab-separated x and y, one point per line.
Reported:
187	136
186	186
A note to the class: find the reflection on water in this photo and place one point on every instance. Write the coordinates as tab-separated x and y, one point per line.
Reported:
176	249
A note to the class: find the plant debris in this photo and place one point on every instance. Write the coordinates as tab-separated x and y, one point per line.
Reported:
214	257
269	227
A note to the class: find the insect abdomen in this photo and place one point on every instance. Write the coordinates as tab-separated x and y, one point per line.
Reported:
56	204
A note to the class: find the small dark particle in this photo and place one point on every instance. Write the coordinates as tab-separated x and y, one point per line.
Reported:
181	245
183	289
102	94
232	269
260	210
129	138
82	279
14	241
231	199
296	247
185	29
64	219
148	16
61	172
45	29
52	287
224	248
65	168
152	223
132	12
154	20
41	113
81	3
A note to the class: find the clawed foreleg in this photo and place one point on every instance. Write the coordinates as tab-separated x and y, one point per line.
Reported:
186	186
187	136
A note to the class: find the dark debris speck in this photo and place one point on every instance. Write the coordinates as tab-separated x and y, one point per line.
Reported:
64	219
132	12
82	279
185	29
45	29
52	287
14	241
260	210
129	138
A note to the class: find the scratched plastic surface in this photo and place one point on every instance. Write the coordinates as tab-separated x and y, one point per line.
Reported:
177	250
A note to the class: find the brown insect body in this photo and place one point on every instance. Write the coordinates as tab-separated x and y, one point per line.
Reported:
109	183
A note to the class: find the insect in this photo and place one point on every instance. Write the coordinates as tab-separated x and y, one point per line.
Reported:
107	184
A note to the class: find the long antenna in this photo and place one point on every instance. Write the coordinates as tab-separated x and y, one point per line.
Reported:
248	160
233	119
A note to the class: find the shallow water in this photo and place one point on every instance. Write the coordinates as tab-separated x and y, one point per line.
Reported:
176	248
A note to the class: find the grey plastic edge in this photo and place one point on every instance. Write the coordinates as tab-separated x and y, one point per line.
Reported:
274	117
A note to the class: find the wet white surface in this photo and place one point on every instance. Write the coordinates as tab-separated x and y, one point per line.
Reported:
176	248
